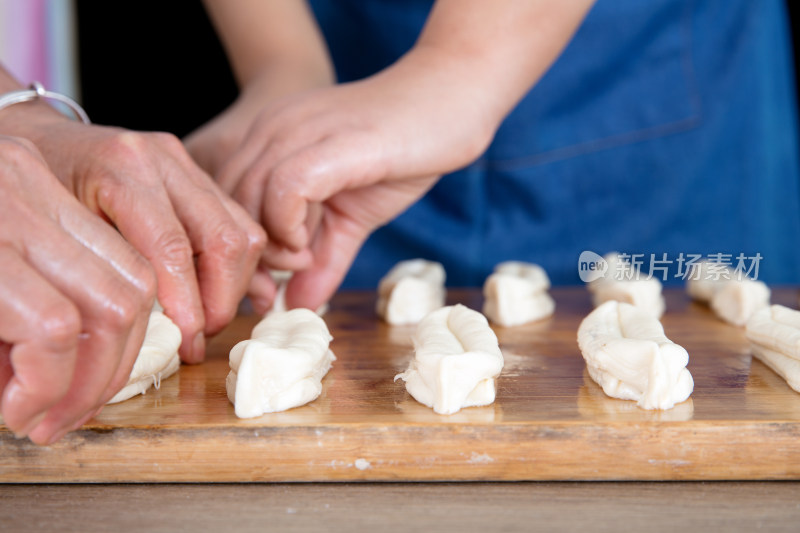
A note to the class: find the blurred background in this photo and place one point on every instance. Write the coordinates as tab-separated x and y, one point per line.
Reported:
156	65
150	64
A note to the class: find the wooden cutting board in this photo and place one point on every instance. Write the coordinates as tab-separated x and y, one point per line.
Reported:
550	421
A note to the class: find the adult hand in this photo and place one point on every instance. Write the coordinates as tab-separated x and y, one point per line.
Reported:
203	247
74	301
215	142
323	169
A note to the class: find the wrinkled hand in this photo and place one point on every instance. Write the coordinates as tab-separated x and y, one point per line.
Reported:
322	170
203	247
74	301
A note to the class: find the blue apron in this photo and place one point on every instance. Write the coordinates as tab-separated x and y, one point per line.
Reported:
666	127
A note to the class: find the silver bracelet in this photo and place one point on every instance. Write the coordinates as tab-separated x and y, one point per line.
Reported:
35	91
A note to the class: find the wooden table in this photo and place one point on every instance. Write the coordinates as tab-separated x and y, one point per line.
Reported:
404	507
550	421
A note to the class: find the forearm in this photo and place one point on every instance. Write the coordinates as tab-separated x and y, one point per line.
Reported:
501	49
270	36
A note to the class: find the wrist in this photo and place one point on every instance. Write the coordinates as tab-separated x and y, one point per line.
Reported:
282	78
475	104
29	119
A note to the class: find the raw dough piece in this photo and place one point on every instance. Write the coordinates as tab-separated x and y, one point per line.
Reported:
411	290
628	355
456	361
774	333
158	357
516	293
622	282
282	365
730	294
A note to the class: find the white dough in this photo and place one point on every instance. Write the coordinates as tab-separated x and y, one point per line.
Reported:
411	290
516	293
731	295
281	366
776	327
628	355
456	361
622	282
774	333
786	367
158	357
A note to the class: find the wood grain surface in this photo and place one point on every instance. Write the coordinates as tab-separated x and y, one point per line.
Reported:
388	507
550	421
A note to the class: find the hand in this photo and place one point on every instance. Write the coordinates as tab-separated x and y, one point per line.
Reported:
215	142
74	301
203	247
323	169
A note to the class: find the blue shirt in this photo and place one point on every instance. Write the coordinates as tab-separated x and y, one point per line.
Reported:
666	127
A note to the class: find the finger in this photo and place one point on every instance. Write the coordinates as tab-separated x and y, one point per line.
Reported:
40	327
6	370
335	245
249	191
262	291
312	176
160	237
257	238
314	214
233	170
130	353
227	250
107	244
109	308
262	286
257	141
280	258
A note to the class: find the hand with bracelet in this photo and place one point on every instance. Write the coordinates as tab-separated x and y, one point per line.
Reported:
322	169
201	247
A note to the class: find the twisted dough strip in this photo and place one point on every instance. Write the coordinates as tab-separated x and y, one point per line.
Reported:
282	365
456	361
628	355
624	283
775	336
731	295
411	290
516	293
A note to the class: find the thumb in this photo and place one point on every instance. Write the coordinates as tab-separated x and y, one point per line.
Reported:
334	247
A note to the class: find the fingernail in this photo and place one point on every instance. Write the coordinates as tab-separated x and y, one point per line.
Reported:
199	347
30	426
